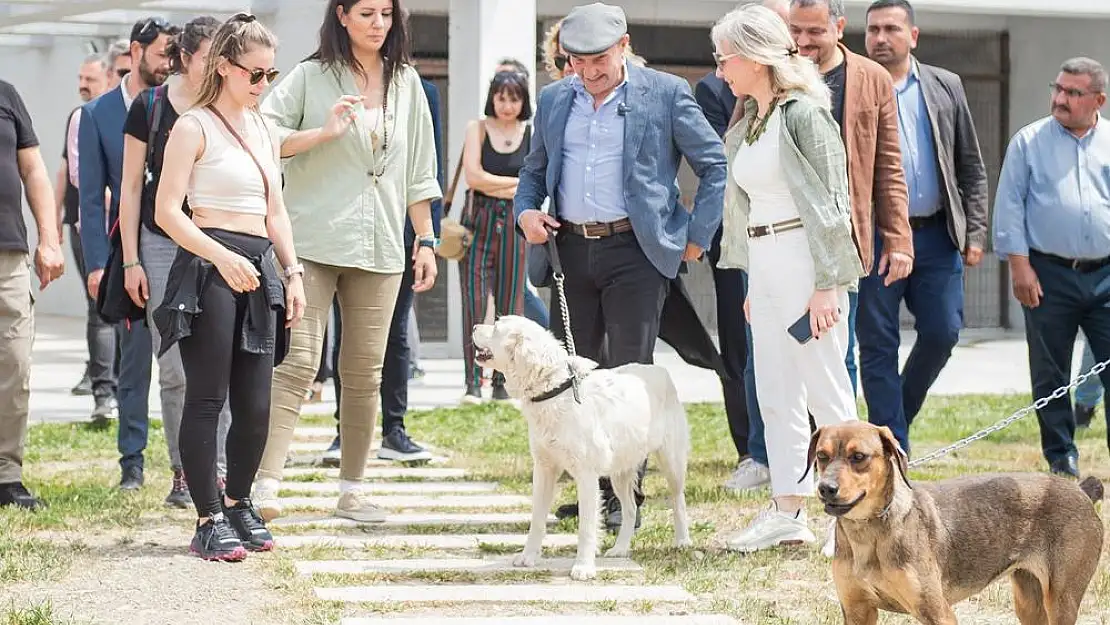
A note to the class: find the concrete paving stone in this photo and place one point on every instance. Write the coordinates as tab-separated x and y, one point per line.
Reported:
385	473
404	502
421	541
547	619
393	488
315	459
472	565
317	435
406	520
503	593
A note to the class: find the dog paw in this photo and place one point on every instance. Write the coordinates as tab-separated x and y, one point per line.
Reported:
583	572
683	543
524	560
618	552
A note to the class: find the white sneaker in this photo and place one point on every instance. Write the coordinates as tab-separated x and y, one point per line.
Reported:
749	475
829	550
264	496
772	528
355	504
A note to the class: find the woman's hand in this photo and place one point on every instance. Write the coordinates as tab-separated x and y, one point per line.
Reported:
294	300
423	268
823	311
239	273
748	309
134	280
341	117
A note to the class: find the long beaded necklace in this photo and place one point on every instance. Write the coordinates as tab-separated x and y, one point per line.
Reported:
385	130
758	126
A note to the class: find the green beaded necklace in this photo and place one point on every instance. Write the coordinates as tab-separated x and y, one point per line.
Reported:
759	125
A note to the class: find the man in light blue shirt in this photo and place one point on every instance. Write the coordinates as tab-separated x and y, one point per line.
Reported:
1052	222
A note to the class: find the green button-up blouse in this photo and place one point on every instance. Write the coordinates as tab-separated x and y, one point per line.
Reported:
342	214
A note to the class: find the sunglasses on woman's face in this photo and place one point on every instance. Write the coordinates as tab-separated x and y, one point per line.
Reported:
560	61
256	75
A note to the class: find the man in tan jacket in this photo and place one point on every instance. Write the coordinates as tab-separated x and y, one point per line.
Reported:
864	106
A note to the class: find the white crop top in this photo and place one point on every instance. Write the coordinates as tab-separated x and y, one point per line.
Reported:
225	176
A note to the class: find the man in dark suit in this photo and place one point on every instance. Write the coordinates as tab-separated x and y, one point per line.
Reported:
947	184
100	160
606	149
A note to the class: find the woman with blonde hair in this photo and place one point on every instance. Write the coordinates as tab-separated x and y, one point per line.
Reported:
557	62
787	222
225	305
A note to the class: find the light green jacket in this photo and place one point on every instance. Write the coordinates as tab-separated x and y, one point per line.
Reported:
340	215
814	162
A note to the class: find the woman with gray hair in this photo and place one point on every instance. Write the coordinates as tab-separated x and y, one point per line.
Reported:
787	222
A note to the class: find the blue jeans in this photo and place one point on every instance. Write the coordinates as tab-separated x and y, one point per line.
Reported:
934	294
757	444
1089	393
136	356
534	308
1072	301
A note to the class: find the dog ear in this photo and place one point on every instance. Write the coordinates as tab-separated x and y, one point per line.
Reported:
892	449
812	455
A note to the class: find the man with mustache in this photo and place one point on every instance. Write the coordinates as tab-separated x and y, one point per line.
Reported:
99	377
1052	225
100	140
948	216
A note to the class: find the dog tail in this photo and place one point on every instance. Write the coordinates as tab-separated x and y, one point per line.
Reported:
1093	488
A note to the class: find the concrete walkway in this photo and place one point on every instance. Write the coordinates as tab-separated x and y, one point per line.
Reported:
983	363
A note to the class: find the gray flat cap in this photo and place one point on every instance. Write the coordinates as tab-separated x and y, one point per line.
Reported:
592	28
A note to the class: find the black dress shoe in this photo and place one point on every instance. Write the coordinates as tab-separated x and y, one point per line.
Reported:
1067	467
16	494
613	515
132	479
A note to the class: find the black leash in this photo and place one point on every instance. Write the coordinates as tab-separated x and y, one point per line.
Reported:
568	337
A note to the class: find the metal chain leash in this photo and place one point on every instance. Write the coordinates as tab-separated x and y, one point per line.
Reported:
568	336
1010	420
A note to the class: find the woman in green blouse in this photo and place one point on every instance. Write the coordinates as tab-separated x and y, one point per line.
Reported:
359	153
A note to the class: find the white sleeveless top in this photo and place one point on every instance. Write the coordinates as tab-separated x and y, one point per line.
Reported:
758	171
225	177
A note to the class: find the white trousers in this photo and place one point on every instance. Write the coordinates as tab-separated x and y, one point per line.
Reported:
791	377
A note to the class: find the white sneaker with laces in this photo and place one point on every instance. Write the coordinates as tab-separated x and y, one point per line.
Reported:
356	505
265	499
771	528
749	475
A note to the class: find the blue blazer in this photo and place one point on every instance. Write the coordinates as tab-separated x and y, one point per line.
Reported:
100	167
716	101
663	124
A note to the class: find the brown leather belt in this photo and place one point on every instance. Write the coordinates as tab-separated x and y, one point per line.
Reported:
596	229
754	232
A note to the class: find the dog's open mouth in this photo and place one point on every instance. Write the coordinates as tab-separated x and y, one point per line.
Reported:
840	509
482	354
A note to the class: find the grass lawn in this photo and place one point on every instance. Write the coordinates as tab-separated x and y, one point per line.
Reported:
96	552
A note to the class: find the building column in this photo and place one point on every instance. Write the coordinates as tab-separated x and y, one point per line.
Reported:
481	33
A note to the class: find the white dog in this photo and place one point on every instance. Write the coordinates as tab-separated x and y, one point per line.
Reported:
607	427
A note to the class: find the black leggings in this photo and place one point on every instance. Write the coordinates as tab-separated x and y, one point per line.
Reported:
214	367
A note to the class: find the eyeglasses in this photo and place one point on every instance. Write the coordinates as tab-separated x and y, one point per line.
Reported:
153	27
256	75
721	59
561	61
1056	88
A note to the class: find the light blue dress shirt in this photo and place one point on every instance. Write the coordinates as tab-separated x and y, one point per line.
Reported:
1054	193
919	151
591	187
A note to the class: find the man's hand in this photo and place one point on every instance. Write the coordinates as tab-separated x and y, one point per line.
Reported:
896	265
1027	287
94	282
535	223
973	256
693	252
49	263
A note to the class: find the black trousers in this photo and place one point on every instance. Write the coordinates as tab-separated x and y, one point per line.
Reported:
733	338
216	369
103	364
615	299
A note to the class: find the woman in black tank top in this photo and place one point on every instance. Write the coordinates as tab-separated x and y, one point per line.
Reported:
494	264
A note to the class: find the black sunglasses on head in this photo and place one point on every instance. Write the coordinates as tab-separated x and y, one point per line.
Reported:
256	75
561	61
153	27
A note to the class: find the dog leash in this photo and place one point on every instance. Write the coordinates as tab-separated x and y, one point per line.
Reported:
1017	416
568	336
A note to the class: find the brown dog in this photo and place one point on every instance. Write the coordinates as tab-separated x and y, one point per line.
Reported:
920	548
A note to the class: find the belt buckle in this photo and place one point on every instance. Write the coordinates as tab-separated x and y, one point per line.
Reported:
586	233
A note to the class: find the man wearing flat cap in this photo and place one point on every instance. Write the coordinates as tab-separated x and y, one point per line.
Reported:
606	149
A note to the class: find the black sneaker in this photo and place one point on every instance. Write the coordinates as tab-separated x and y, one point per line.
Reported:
179	496
398	446
131	479
249	526
84	386
216	540
16	494
1083	416
498	385
105	408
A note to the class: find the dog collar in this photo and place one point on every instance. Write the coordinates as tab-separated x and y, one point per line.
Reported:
570	383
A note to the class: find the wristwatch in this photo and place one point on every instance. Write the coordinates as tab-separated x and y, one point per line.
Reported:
428	240
294	269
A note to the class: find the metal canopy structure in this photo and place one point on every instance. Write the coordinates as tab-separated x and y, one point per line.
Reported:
37	23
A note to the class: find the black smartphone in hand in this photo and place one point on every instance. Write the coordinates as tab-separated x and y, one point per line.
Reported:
801	330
